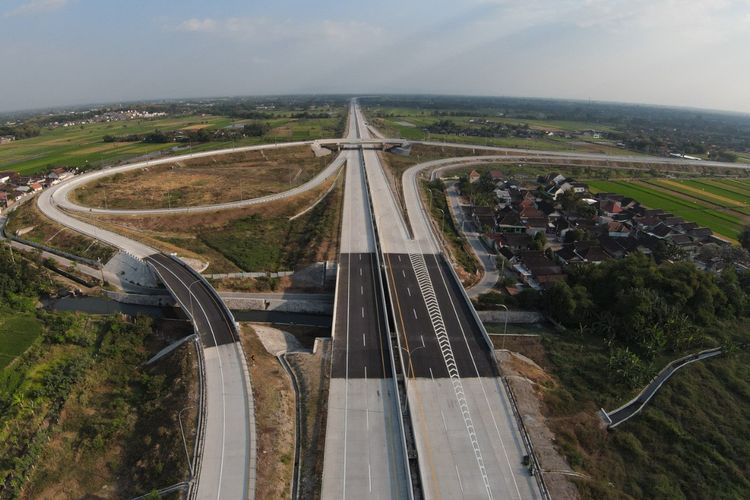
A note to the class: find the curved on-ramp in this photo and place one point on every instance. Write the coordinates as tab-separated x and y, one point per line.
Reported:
226	467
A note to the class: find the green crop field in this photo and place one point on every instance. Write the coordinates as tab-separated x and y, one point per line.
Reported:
654	197
17	333
702	196
82	146
722	187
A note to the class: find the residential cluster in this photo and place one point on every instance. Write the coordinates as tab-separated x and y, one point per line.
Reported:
15	187
106	117
540	228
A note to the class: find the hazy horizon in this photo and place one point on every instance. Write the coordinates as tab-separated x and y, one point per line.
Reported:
690	53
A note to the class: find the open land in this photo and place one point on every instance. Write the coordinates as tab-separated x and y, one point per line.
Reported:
256	238
83	146
204	181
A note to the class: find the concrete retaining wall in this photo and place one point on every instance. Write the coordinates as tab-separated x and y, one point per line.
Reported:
513	316
297	306
234	303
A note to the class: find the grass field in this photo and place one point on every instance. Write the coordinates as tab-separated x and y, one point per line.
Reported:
17	333
689	442
409	124
255	238
691	209
82	146
205	181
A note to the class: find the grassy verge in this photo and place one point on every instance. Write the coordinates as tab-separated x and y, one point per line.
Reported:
688	442
82	417
458	247
274	418
203	181
46	232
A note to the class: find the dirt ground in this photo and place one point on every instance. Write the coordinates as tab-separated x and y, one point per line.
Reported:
179	233
203	181
274	418
312	372
528	381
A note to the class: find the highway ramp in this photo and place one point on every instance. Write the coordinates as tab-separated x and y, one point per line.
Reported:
227	467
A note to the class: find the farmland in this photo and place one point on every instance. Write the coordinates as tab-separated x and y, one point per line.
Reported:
410	124
719	204
82	146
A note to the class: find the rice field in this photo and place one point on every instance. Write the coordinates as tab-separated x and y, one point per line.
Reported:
723	205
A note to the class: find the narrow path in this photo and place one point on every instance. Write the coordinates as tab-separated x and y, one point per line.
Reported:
635	405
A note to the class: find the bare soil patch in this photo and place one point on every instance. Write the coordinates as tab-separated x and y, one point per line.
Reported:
203	181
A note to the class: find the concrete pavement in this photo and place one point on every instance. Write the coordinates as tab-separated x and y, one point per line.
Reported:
365	455
466	437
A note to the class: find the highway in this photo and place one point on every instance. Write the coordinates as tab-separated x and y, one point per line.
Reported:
226	466
466	436
364	451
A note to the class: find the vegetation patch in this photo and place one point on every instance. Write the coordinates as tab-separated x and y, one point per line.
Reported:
433	196
34	226
18	331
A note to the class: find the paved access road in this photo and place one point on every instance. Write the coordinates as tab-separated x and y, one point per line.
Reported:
364	451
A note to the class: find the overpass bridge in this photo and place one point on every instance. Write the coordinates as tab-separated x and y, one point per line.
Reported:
359	144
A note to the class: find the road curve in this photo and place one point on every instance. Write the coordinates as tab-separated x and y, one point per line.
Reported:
62	195
227	467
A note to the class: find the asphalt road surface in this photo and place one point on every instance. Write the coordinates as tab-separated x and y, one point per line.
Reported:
466	436
364	452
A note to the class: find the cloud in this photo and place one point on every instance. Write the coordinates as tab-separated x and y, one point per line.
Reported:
264	30
31	7
206	25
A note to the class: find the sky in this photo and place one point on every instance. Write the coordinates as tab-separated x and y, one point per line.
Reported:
693	53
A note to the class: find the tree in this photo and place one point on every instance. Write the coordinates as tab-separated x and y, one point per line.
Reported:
745	238
540	241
